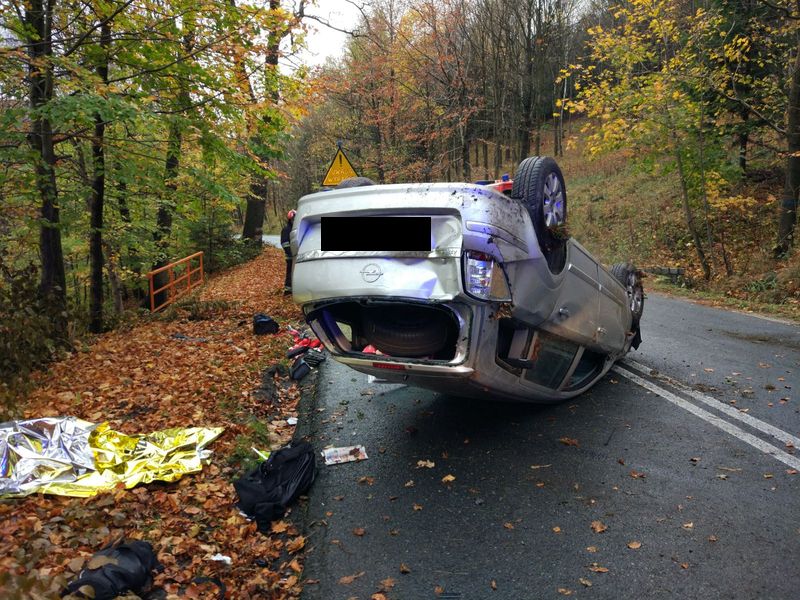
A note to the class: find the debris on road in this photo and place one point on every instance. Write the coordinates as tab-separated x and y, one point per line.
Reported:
222	558
344	454
67	456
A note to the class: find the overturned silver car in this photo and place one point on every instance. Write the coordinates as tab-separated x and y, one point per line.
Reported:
462	288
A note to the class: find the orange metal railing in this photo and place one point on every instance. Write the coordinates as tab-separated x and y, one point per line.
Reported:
179	284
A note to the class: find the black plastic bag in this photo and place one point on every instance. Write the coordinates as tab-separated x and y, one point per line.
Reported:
127	568
264	324
265	492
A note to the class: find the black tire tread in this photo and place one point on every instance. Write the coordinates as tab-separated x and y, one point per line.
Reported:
410	334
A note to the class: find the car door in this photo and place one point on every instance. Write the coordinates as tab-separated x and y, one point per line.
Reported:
575	315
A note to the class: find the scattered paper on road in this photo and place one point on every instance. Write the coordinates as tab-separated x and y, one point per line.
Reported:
344	454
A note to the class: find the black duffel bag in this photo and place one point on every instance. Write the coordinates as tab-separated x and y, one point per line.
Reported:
267	490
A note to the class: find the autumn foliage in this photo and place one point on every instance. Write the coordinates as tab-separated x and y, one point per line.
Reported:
142	379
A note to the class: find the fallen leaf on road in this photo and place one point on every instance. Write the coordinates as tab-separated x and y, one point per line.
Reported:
595	568
448	479
708	370
565	591
621	461
768	475
585	582
637	475
359	531
378	596
508	525
684	565
791	471
591	549
556	529
540	466
428	464
279	527
348	579
634	545
712	538
438	590
493	585
295	566
689	525
598	526
387	584
296	544
568	442
405	569
695	459
417	506
366	480
409	483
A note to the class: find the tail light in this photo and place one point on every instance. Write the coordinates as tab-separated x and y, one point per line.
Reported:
484	278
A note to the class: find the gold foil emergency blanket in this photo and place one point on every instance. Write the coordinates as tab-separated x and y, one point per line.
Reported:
71	457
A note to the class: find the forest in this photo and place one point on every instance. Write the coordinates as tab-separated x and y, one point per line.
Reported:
136	132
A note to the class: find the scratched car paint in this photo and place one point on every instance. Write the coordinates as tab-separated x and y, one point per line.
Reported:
479	305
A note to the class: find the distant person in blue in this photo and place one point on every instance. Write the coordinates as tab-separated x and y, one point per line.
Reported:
287	249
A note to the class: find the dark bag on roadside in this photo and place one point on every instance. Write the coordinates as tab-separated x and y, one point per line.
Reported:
263	324
266	491
125	567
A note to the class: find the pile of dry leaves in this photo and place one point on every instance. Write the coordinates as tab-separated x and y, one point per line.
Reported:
196	365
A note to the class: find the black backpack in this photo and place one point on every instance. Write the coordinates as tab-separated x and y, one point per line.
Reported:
263	324
128	568
266	491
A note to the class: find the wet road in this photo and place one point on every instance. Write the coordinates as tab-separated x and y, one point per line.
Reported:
673	477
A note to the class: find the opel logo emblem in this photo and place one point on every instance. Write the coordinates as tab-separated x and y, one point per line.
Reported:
371	273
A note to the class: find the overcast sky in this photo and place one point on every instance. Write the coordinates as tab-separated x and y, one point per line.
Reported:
324	42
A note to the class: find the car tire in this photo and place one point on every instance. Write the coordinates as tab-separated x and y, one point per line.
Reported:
539	185
352	182
631	279
406	331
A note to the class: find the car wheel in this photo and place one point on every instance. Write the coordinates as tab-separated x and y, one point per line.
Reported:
352	182
631	279
406	331
539	184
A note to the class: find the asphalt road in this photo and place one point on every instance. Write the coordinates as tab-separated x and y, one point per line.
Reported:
673	483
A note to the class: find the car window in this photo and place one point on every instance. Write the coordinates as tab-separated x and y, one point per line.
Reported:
551	357
588	367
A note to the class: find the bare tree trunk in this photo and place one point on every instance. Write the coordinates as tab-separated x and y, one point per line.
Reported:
53	284
98	196
788	208
698	244
172	163
256	208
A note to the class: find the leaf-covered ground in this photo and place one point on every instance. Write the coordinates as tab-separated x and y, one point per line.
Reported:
197	365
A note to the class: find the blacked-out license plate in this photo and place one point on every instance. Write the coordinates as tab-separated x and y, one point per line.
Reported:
407	234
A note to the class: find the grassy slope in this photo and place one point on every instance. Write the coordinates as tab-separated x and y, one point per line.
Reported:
621	211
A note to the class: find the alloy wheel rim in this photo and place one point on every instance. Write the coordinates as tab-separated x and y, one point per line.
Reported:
553	205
